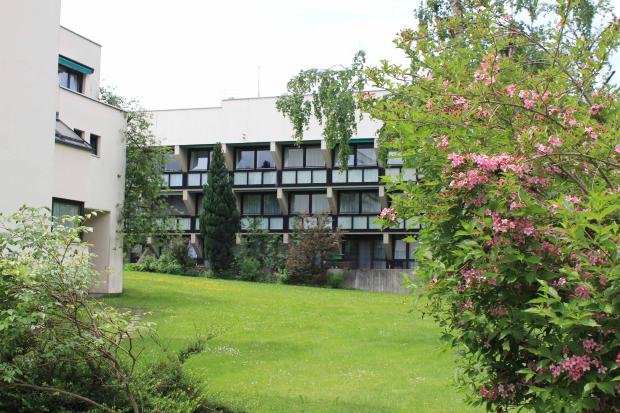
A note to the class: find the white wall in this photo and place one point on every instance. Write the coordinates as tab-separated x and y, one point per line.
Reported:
85	51
28	95
236	121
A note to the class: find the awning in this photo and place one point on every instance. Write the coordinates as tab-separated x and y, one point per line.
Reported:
75	65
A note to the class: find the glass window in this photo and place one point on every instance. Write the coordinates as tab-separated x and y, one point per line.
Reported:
70	79
360	222
304	177
319	177
320	204
366	156
254	178
245	159
269	178
240	178
349	202
171	163
176	180
300	204
289	177
94	144
379	250
271	205
370	203
314	157
400	249
276	223
394	158
264	160
293	157
66	208
350	162
199	160
371	175
251	203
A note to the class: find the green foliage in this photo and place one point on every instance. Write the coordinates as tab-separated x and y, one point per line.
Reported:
174	260
312	243
144	209
261	255
332	102
512	125
335	277
220	218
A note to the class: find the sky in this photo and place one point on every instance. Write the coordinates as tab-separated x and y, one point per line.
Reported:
194	53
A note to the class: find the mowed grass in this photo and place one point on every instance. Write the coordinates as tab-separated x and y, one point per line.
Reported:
299	349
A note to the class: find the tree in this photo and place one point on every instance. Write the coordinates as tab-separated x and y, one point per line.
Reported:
220	218
144	210
512	122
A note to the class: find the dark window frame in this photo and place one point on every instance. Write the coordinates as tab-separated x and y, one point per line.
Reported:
310	209
262	204
180	170
353	151
355	257
407	260
79	204
304	158
95	147
70	71
255	150
189	158
359	203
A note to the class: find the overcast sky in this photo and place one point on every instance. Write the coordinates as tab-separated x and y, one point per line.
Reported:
193	53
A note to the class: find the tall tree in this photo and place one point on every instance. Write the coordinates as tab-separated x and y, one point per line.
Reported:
144	210
220	218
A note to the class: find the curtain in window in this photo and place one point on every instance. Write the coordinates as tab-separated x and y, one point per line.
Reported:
320	204
349	202
245	159
300	204
199	160
370	203
366	157
264	160
270	205
394	158
171	163
61	209
293	157
314	157
251	204
400	249
350	162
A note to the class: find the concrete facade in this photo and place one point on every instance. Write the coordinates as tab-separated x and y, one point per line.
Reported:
47	161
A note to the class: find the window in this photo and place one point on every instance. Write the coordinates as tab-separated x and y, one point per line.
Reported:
394	158
309	203
79	133
404	253
360	155
94	144
303	157
254	159
351	202
65	207
260	204
69	78
199	160
172	165
364	253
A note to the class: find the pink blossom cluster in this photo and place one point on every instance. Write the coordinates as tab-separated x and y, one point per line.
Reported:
504	391
568	117
596	109
389	213
597	257
572	199
529	97
469	179
590	132
555	141
582	292
460	101
442	142
488	69
503	162
590	345
575	366
551	249
543	149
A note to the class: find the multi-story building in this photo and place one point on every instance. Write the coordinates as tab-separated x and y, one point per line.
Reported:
61	147
276	181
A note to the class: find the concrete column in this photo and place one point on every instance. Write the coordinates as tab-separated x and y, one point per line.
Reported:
195	242
383	199
238	238
285	238
331	199
181	156
282	200
327	154
188	201
229	156
387	246
274	148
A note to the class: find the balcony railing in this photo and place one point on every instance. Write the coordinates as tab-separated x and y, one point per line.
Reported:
182	223
355	175
271	223
304	176
197	179
172	179
358	222
409	174
255	178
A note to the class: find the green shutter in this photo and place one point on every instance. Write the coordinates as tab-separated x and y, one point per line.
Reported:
370	140
75	65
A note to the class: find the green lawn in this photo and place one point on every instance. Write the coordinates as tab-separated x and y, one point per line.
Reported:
299	349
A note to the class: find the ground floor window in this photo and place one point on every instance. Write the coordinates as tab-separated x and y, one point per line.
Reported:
364	253
66	207
404	253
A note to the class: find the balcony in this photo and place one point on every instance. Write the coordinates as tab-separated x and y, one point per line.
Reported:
356	175
358	222
172	180
197	179
255	178
271	223
304	177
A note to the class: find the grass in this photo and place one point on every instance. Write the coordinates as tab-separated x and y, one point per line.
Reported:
299	349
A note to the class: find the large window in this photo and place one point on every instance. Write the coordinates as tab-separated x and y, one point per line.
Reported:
356	202
94	144
172	164
309	203
254	159
364	253
67	208
199	160
69	78
404	253
303	157
260	204
360	155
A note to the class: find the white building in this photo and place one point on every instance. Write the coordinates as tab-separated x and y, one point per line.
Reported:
60	147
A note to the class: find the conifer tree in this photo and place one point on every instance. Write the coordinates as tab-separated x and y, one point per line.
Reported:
220	218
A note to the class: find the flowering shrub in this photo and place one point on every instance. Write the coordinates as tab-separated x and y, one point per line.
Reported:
514	126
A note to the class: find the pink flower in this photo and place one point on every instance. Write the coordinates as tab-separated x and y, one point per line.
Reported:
368	95
573	199
511	90
457	160
576	366
617	150
556	370
589	345
582	292
389	213
544	150
446	83
442	142
555	141
561	281
595	109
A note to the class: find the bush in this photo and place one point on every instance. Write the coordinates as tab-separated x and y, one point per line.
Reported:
261	255
335	277
249	269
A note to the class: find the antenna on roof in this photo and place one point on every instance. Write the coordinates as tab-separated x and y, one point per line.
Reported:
258	81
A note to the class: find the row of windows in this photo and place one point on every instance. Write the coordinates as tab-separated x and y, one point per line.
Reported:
294	157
